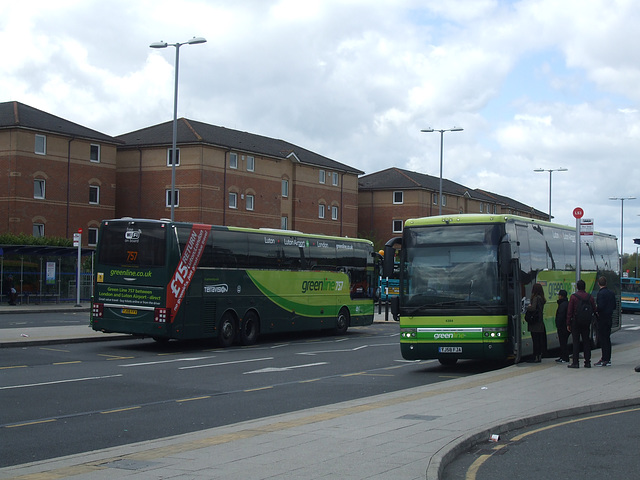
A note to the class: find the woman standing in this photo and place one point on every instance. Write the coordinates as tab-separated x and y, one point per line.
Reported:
537	328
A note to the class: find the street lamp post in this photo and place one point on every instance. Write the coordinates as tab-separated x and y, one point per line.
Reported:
430	130
622	199
550	170
193	41
637	242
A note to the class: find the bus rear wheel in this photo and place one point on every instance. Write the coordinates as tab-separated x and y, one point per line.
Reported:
227	330
342	322
249	328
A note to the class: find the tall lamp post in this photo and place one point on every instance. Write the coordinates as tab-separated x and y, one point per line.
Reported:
550	170
161	44
431	130
622	199
637	242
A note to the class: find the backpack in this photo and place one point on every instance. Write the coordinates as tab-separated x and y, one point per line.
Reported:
584	313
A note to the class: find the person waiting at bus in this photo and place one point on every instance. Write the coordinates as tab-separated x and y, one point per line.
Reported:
536	328
578	329
561	326
606	303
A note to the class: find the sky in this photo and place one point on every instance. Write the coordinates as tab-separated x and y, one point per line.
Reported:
535	84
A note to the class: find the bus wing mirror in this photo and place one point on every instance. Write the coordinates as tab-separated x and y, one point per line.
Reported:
389	254
395	308
504	257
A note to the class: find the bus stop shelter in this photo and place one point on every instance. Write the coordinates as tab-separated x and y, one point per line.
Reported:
46	274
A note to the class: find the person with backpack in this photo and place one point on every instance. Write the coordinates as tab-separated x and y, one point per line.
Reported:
606	303
580	315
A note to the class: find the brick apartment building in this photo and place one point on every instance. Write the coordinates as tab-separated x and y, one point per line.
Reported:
389	197
57	176
60	177
230	177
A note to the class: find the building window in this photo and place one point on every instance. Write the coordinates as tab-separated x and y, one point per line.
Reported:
434	198
38	188
41	145
233	160
94	194
233	200
495	209
285	188
284	223
167	197
397	226
444	200
249	202
94	156
321	209
398	198
334	179
334	213
251	164
92	236
482	208
38	230
321	176
170	157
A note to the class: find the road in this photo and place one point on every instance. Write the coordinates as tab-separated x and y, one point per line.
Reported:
64	399
592	446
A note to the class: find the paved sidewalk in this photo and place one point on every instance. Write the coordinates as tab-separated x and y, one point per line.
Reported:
409	434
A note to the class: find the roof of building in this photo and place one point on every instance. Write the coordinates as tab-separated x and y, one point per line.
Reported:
18	115
397	178
195	132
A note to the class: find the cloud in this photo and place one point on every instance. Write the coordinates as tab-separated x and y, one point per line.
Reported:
534	83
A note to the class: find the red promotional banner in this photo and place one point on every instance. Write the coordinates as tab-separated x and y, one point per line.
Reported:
189	261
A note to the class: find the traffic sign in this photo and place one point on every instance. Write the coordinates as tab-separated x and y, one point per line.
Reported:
578	212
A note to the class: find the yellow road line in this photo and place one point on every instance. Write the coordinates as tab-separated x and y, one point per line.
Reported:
31	423
120	410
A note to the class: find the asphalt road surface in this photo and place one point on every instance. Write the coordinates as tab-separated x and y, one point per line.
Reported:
64	399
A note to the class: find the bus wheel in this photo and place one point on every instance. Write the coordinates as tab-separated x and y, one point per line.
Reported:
249	328
226	330
342	323
447	362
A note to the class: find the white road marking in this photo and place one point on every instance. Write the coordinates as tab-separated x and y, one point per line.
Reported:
226	363
173	360
9	387
285	369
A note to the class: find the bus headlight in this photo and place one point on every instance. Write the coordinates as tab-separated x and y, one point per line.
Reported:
408	333
494	332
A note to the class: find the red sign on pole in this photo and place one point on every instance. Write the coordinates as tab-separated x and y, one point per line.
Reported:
578	212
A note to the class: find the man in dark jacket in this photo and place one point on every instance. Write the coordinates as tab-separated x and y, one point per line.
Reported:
606	303
580	331
561	326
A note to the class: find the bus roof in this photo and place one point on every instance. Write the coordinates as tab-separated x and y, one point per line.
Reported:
470	218
274	231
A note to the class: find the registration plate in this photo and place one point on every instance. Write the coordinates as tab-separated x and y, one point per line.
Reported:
449	349
129	311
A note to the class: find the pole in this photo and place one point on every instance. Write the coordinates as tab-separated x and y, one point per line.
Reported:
78	269
578	250
440	191
550	194
175	134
